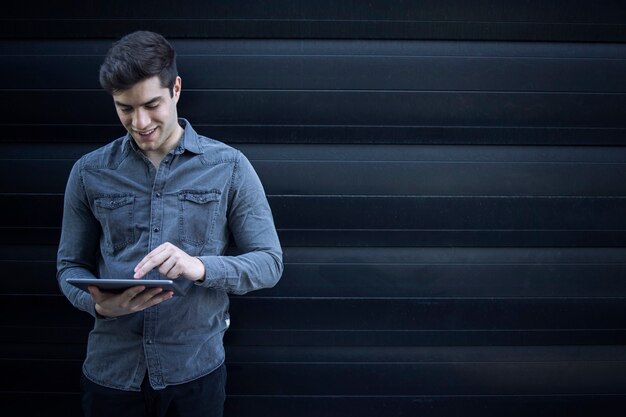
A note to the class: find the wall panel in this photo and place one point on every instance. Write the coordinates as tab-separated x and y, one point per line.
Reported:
446	177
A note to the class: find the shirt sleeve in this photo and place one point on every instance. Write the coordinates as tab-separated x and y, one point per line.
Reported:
80	234
251	223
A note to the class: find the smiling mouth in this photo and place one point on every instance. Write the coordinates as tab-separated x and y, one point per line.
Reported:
145	133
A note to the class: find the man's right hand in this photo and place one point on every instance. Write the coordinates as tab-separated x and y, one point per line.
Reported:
130	301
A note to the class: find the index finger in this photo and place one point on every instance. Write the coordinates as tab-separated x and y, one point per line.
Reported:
149	262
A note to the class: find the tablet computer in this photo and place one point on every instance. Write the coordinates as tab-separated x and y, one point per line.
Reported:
120	285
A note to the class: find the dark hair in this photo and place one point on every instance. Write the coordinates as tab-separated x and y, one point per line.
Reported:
136	57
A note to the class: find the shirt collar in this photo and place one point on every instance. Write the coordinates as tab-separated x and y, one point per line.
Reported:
190	140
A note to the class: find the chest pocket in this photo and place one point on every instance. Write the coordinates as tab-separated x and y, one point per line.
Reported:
115	213
198	211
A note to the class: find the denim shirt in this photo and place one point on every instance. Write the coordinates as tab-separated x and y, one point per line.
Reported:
118	207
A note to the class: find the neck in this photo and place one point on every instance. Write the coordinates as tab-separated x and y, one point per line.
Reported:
157	156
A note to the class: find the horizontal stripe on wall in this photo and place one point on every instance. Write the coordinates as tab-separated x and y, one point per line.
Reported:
357	153
375	178
424	314
350	338
412	214
416	221
324	108
388	280
451	10
98	134
68	404
386	238
372	20
190	47
427	406
242	355
578	73
380	379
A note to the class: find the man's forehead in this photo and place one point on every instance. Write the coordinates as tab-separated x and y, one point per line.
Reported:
120	101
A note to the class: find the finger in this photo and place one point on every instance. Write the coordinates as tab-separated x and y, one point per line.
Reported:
152	253
167	266
98	295
142	267
155	299
144	296
135	303
133	291
150	261
95	292
176	272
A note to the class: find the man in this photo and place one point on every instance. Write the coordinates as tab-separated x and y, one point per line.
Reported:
160	203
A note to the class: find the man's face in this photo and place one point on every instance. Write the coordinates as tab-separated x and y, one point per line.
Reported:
148	112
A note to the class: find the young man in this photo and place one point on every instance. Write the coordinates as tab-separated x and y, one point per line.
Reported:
160	203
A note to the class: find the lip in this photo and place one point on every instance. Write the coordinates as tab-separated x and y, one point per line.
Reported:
145	133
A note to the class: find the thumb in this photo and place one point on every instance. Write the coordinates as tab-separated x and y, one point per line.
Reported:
95	292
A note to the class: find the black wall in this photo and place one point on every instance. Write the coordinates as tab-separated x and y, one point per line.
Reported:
447	179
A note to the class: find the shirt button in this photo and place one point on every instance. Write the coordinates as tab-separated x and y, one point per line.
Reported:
156	229
158	195
149	342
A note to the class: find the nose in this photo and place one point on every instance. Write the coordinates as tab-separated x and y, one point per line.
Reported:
141	119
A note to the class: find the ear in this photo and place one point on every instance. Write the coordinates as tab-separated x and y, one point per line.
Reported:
177	89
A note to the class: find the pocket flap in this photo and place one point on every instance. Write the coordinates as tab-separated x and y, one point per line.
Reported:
199	197
112	202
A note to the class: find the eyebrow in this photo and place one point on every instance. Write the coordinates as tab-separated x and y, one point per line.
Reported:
147	103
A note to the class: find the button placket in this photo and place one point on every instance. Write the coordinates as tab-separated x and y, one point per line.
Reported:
151	314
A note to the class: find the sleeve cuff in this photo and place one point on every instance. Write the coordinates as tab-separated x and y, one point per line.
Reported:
214	272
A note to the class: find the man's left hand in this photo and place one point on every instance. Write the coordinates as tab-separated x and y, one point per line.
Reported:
172	262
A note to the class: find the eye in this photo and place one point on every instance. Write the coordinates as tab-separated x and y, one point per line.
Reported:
152	106
125	109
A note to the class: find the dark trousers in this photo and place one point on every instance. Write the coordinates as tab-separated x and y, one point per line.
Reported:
202	397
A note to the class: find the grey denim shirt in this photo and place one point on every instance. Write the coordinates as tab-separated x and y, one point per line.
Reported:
118	207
